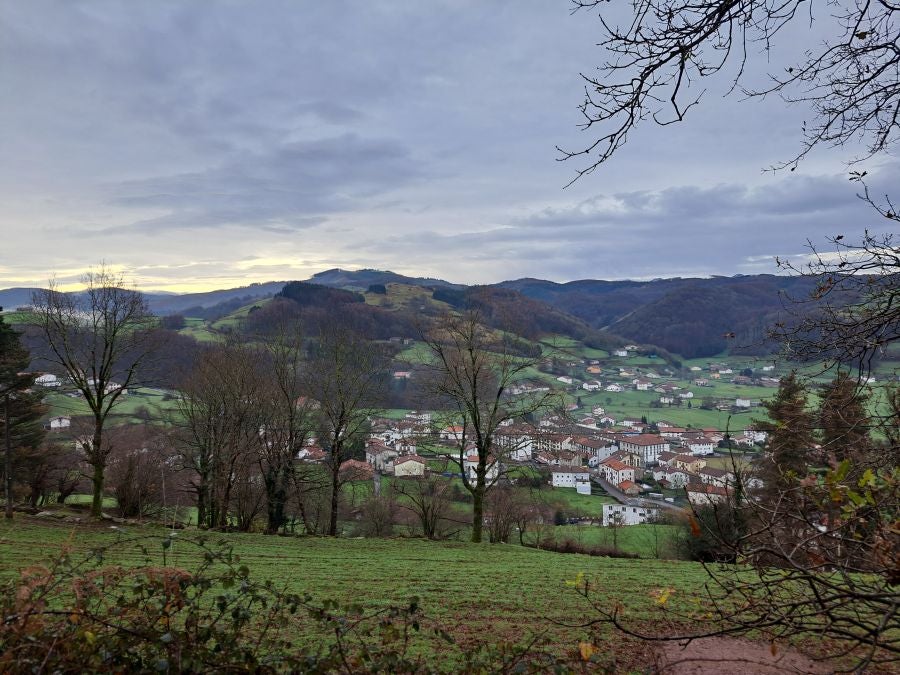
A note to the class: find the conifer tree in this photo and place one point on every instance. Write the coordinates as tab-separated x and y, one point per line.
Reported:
790	430
20	407
843	419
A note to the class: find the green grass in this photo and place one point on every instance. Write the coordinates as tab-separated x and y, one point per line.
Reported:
638	539
125	409
589	505
18	318
489	591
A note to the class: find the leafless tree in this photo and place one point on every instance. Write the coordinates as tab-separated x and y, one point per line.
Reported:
429	500
470	376
289	419
99	336
854	311
310	497
219	419
345	378
137	468
655	60
377	514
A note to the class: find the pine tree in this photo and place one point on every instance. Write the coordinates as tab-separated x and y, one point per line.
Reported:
19	405
790	430
843	419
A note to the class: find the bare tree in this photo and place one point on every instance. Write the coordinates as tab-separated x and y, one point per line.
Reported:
100	338
346	378
471	375
850	79
137	468
429	499
219	416
854	311
378	513
289	419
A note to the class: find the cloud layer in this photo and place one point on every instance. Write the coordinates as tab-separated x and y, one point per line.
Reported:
200	145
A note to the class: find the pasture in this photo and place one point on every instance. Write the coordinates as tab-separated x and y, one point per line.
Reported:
477	592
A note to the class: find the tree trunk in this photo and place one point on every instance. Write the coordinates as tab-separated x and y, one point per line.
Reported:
335	485
276	496
98	461
97	483
477	511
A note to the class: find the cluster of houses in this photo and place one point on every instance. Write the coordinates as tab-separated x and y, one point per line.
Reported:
624	455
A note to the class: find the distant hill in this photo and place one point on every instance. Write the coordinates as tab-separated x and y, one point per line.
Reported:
10	298
360	280
165	303
691	317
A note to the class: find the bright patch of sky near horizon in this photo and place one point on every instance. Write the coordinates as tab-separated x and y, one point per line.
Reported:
207	145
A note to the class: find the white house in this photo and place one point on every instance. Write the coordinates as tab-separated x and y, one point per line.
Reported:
620	352
642	385
687	394
647	445
754	435
618	514
743	403
615	471
405	446
409	465
47	380
701	446
110	387
451	433
566	477
59	423
565	379
380	456
518	445
713	476
617	388
592	385
702	494
470	466
676	478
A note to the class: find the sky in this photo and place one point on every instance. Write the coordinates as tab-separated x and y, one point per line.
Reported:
199	145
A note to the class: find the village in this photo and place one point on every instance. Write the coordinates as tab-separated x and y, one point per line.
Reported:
636	467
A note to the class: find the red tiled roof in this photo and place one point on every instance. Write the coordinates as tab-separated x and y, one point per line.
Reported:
646	439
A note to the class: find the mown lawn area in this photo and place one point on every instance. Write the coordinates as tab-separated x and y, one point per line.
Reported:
478	592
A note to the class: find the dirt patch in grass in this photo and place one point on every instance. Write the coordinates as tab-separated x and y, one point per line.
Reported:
714	655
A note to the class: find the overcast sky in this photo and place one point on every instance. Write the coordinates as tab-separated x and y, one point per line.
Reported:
199	145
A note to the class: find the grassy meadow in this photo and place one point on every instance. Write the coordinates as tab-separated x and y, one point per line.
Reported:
477	592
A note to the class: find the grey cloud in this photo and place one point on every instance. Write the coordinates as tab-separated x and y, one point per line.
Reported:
294	186
723	229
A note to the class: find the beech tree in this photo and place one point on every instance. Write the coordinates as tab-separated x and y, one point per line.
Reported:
99	337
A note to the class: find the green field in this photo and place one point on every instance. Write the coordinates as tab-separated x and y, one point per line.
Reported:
157	403
476	592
